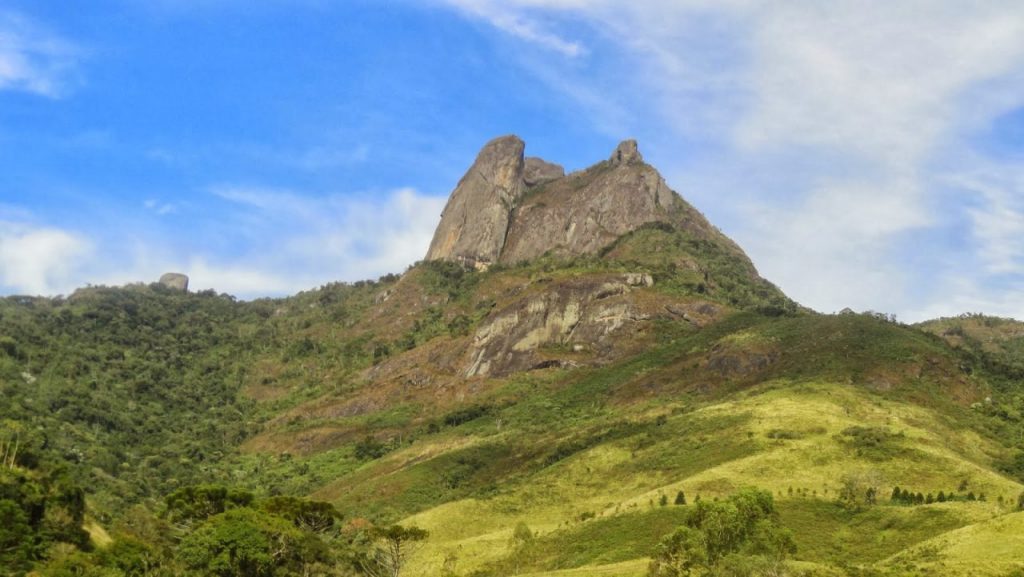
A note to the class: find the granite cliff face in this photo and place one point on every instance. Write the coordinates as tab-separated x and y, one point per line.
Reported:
475	221
508	208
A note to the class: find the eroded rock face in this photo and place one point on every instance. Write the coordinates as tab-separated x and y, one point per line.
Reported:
175	280
577	315
584	212
537	171
508	208
475	220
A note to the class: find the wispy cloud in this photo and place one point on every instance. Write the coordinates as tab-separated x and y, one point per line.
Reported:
32	59
290	241
160	208
828	132
996	215
514	19
311	240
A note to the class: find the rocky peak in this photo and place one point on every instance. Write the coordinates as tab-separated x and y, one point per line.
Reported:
489	218
626	152
475	220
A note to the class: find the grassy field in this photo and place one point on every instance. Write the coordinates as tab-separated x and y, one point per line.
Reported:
598	510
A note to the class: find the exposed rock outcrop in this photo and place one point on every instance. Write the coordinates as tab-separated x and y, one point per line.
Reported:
475	220
576	315
537	171
508	208
175	280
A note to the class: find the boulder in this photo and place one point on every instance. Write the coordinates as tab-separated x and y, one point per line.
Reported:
175	280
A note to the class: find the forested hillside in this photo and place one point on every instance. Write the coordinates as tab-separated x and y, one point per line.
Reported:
648	407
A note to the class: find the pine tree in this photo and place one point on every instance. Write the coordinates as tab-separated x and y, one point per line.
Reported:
680	498
941	498
929	499
896	494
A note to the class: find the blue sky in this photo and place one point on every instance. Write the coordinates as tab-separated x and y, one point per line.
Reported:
865	155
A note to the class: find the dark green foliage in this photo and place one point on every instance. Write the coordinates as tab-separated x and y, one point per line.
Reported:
724	534
313	516
38	509
680	498
247	543
872	442
132	557
18	546
190	505
681	553
466	414
783	434
449	278
369	448
129	387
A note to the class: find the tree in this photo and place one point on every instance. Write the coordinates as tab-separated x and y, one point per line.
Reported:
16	536
663	500
744	525
680	498
195	504
682	553
390	550
859	488
313	516
243	542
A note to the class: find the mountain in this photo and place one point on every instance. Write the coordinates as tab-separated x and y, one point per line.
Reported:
584	377
508	208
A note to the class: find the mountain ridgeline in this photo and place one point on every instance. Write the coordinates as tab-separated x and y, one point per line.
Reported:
583	378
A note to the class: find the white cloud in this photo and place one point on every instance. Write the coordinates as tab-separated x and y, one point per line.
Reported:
821	126
33	59
41	260
303	241
266	243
